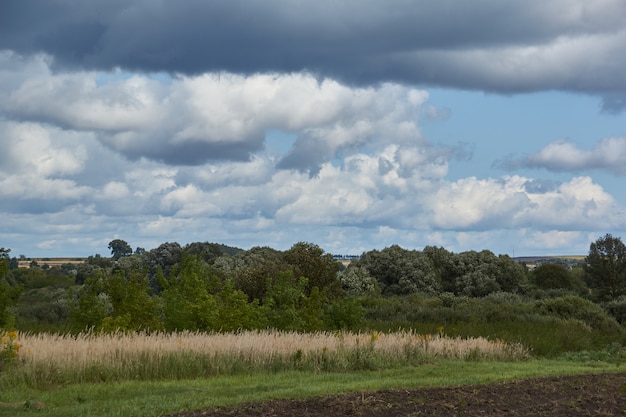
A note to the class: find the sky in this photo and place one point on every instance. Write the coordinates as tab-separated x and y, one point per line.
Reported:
354	124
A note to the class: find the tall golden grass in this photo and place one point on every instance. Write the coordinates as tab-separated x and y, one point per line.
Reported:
89	357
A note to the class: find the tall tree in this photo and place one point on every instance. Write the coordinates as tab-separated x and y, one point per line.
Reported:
4	262
8	294
606	266
401	271
319	268
120	248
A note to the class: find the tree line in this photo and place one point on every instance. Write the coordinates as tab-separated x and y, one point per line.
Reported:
213	287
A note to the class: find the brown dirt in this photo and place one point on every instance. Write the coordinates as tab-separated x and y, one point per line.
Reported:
581	395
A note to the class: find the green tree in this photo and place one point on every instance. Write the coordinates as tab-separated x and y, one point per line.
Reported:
606	267
133	305
283	301
99	261
115	300
208	252
89	304
251	269
312	310
443	262
319	268
4	262
477	274
167	256
400	271
189	301
234	312
120	248
357	281
8	294
554	275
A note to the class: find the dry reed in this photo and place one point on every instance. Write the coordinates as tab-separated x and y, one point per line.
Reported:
95	357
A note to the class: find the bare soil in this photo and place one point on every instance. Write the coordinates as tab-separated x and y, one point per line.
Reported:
581	395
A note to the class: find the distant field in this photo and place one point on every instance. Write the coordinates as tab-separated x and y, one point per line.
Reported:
543	258
50	261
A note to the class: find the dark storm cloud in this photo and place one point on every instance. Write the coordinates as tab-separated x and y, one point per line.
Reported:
470	44
307	154
192	152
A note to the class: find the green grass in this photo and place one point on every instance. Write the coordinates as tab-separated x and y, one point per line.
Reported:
145	399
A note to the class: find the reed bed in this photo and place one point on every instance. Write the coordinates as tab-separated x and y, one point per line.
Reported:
47	359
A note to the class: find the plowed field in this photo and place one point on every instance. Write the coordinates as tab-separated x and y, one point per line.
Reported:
581	395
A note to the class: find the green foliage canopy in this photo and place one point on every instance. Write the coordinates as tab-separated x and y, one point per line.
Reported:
120	248
606	267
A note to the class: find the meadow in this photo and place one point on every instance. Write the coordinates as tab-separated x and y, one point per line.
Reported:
193	332
150	374
49	360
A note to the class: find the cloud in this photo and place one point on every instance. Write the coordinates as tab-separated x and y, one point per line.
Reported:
565	156
480	44
213	117
268	123
486	204
35	166
555	239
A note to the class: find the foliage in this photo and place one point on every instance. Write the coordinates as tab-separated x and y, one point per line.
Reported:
42	309
573	307
4	262
555	275
251	269
99	261
357	281
477	274
120	248
8	293
400	271
344	314
110	301
200	287
197	298
548	327
617	309
435	270
33	278
9	349
319	268
208	252
165	257
283	299
606	267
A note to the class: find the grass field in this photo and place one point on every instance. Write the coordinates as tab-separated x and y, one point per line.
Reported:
154	398
155	374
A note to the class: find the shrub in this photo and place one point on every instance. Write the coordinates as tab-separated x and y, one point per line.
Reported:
617	309
573	307
9	349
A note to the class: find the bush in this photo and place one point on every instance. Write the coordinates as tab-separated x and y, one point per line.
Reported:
573	307
42	309
9	349
617	309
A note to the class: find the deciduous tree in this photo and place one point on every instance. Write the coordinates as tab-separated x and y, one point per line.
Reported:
319	268
120	248
606	267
